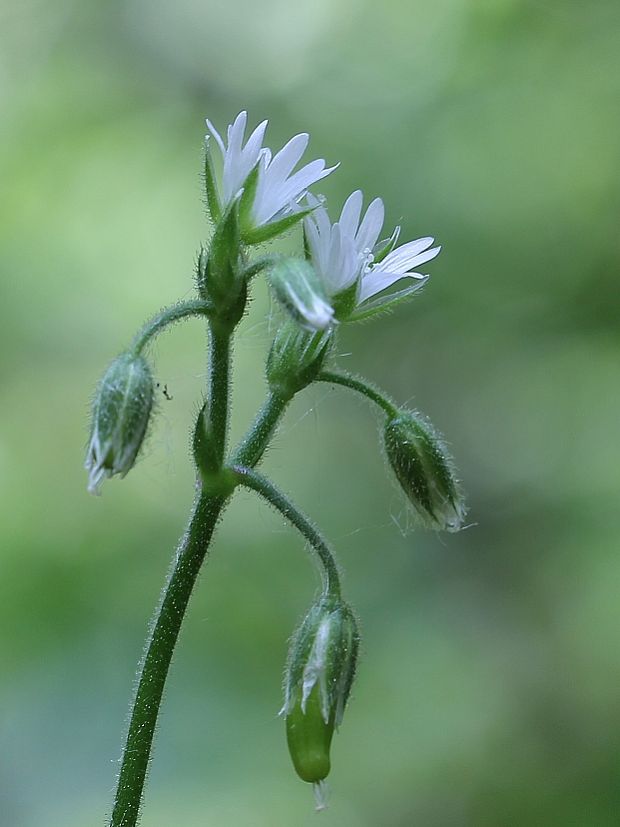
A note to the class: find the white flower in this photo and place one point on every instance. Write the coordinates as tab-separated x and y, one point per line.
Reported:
278	189
348	258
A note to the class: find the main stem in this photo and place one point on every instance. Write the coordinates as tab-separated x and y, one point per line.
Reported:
154	670
171	610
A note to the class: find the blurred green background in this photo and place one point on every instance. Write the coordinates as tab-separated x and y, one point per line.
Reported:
488	687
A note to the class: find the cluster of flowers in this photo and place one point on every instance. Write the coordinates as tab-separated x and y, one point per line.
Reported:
352	266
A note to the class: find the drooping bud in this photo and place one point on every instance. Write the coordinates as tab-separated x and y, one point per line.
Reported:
295	358
319	674
300	291
121	413
425	471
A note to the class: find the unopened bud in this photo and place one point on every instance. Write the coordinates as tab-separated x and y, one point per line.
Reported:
120	418
296	358
425	471
318	679
300	291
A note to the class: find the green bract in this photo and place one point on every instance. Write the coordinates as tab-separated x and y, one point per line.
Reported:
120	418
424	470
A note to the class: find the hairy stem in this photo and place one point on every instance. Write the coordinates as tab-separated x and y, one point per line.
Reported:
165	630
219	390
361	386
169	315
255	442
257	482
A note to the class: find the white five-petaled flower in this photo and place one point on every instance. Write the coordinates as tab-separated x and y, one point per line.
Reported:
278	188
346	254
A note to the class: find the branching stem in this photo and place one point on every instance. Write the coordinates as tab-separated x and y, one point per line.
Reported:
169	315
255	442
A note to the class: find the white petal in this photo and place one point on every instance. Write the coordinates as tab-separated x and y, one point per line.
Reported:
276	196
288	157
370	227
351	263
319	216
324	225
410	255
377	280
350	215
217	137
236	133
296	186
333	266
255	142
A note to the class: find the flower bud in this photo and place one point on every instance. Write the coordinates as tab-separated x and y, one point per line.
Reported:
318	679
121	414
424	470
300	291
296	358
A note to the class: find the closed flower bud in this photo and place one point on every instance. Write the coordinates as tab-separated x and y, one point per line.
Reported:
296	358
120	418
319	675
300	291
425	471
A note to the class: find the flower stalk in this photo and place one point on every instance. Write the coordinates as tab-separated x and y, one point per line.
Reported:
167	317
261	485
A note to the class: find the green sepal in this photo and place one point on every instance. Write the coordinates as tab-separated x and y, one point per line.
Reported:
386	303
307	252
220	269
258	235
214	206
384	248
246	201
344	303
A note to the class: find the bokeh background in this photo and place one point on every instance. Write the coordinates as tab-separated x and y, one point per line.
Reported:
488	687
